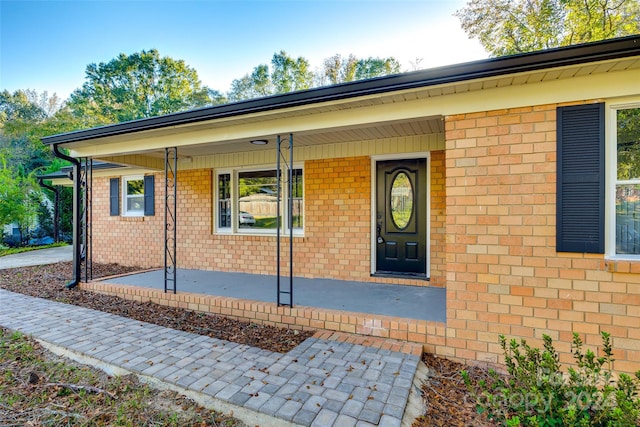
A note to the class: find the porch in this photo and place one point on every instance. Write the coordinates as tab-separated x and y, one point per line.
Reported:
410	313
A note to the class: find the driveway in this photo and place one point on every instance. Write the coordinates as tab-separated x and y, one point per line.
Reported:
38	257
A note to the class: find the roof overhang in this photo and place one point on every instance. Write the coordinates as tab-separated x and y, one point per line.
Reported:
400	105
61	178
64	177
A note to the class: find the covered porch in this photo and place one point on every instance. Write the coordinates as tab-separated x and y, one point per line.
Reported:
410	313
196	171
193	169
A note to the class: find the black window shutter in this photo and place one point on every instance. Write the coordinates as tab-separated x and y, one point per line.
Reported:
580	179
114	196
149	199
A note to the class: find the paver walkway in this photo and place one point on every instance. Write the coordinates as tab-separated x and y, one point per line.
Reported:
319	383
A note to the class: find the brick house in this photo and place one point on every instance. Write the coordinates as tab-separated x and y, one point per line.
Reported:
509	182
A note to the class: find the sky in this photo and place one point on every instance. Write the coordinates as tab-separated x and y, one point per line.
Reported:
47	45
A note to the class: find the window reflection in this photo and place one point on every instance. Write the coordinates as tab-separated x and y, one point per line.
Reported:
628	185
628	139
224	200
134	199
628	219
401	200
257	192
254	195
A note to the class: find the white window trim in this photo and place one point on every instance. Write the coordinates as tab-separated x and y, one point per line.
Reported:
124	210
235	229
611	174
216	206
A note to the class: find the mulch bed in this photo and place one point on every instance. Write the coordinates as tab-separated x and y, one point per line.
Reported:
446	397
47	281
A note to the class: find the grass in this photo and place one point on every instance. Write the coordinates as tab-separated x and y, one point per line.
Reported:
39	388
10	251
265	222
271	222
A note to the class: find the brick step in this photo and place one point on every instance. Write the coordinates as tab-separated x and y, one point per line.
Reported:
383	343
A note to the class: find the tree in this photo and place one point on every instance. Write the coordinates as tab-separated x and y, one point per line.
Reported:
506	27
592	20
217	97
376	67
127	88
254	85
337	69
290	74
286	75
21	115
21	105
46	219
27	105
27	116
138	86
19	199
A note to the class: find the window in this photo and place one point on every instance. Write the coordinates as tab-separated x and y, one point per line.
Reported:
137	196
627	180
258	200
247	201
224	201
297	199
133	196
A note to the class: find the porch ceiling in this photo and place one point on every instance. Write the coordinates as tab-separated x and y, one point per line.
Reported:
394	129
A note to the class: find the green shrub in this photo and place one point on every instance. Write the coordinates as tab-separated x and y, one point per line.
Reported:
536	392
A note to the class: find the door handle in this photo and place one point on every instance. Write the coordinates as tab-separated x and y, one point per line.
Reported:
379	238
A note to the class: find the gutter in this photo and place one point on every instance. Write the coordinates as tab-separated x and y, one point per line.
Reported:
56	208
75	175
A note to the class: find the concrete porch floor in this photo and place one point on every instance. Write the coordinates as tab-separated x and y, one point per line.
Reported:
409	302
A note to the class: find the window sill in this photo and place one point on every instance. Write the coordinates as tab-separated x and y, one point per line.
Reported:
132	218
622	265
219	233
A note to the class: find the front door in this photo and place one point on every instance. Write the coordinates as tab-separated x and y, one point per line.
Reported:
401	217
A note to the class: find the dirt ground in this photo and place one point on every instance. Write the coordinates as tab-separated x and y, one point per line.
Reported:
39	388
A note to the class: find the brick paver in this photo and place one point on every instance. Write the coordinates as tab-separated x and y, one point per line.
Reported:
321	382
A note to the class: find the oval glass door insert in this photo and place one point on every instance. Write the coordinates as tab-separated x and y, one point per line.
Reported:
401	200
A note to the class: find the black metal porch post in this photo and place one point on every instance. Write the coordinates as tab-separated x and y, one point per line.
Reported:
280	223
278	192
170	217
